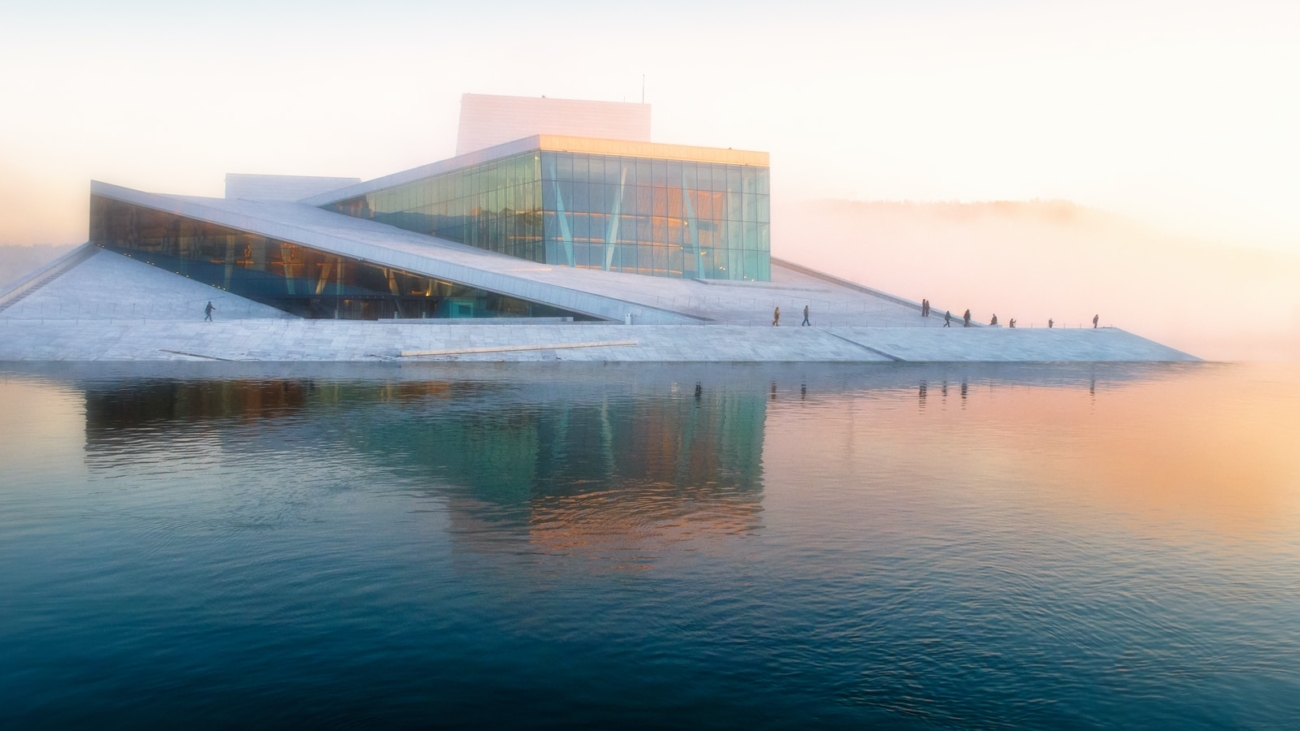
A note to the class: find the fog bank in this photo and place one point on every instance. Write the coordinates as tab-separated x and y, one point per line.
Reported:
15	261
1054	259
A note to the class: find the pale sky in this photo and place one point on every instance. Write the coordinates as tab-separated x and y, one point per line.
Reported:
1182	114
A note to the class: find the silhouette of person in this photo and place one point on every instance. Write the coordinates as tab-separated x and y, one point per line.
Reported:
207	312
1050	322
1012	324
965	319
925	308
947	318
776	317
805	317
994	321
1095	318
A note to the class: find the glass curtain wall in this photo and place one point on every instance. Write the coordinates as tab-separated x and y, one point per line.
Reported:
298	279
666	218
494	206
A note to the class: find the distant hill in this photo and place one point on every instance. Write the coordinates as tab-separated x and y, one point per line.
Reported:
15	261
1038	259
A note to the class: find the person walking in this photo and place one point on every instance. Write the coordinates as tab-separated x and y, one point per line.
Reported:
1095	318
207	312
965	319
776	317
947	318
994	321
1012	324
805	317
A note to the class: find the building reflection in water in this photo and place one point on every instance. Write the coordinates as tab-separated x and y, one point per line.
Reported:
574	467
575	458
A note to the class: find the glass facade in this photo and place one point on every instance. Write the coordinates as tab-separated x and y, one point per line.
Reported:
667	218
298	279
495	206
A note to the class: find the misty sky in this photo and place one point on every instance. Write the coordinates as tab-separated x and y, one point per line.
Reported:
1183	114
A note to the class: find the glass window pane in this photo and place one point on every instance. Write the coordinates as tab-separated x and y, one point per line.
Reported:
689	170
643	196
673	173
659	200
581	197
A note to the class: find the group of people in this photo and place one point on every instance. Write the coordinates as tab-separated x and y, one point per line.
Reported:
925	312
776	317
947	314
965	318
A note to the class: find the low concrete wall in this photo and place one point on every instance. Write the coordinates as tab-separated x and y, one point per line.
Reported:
333	340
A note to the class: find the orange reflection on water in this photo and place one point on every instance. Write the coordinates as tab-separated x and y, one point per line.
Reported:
1200	446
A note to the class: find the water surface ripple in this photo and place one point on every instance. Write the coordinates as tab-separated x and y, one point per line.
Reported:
562	546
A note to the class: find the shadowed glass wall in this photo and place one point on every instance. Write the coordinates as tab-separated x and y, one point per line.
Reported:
298	279
667	218
494	206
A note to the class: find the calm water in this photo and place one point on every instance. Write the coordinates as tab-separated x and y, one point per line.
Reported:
564	546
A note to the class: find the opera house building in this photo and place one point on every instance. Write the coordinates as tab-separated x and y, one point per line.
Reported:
555	213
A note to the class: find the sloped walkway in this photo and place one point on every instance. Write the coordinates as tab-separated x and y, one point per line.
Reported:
350	340
102	285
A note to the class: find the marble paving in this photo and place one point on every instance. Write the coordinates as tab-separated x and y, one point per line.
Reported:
334	340
112	308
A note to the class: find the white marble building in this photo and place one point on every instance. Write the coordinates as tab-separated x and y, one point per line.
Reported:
546	247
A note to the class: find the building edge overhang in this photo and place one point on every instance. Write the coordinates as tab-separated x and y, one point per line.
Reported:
425	263
548	143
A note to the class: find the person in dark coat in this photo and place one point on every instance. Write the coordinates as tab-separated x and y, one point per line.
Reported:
965	319
1012	324
1050	322
207	312
1095	318
947	318
994	321
805	317
776	317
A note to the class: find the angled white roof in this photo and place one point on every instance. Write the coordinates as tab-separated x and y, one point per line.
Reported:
606	295
570	289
